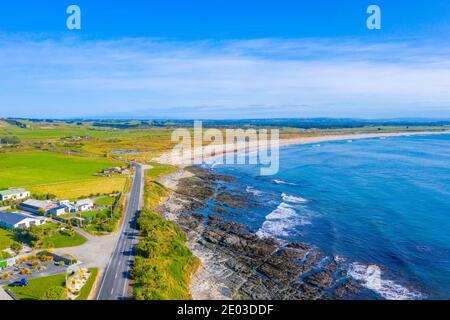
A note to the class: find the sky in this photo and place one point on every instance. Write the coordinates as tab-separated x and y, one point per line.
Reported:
225	59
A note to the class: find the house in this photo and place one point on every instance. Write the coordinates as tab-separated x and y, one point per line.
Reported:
84	205
58	211
20	220
36	206
14	194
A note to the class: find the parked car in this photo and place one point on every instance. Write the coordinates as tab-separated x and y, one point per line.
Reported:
21	283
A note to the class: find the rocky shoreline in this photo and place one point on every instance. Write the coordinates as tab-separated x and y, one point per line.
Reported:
236	263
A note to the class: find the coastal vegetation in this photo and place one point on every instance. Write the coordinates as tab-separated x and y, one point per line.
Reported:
164	265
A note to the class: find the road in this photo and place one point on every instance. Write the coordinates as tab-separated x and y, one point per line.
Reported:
115	281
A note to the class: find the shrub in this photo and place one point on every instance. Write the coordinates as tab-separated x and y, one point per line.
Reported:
55	293
25	271
16	247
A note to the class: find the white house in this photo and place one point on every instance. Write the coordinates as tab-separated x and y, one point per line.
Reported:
84	205
14	194
20	220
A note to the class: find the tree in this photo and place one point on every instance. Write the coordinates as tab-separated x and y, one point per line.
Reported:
16	247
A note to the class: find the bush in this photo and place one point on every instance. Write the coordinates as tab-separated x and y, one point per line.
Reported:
55	293
25	271
16	247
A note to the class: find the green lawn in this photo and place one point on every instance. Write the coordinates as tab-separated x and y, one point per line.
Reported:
51	237
38	287
62	240
96	221
86	290
27	169
106	201
6	239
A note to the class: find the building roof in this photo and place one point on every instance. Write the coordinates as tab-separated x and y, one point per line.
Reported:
84	202
13	218
38	203
59	208
11	192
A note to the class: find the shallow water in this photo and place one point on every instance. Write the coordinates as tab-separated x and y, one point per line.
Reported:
376	202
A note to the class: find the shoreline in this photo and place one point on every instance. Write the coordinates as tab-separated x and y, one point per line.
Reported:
167	158
237	264
206	283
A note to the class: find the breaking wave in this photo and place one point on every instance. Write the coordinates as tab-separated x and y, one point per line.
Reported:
282	221
370	276
253	191
293	199
277	181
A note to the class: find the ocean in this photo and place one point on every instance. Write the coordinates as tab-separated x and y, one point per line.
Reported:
381	205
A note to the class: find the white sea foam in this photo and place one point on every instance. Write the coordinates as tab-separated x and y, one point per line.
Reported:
371	277
253	191
277	181
293	199
281	221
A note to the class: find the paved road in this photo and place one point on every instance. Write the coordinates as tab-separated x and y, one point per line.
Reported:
115	281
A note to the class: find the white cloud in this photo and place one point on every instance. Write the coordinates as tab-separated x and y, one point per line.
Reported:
233	79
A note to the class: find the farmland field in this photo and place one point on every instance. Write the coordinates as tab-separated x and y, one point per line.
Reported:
60	174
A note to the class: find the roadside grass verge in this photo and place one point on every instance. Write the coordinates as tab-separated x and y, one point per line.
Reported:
164	265
87	288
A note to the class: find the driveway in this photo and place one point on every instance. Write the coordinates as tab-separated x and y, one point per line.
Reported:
95	253
4	295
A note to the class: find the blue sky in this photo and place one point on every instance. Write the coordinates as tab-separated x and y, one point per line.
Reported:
225	59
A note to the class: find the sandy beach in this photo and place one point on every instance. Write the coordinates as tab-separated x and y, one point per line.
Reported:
168	158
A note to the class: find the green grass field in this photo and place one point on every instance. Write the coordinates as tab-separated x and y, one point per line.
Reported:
63	175
42	168
51	236
6	239
38	287
106	201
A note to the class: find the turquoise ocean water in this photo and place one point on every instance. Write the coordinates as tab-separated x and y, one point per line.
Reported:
382	203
